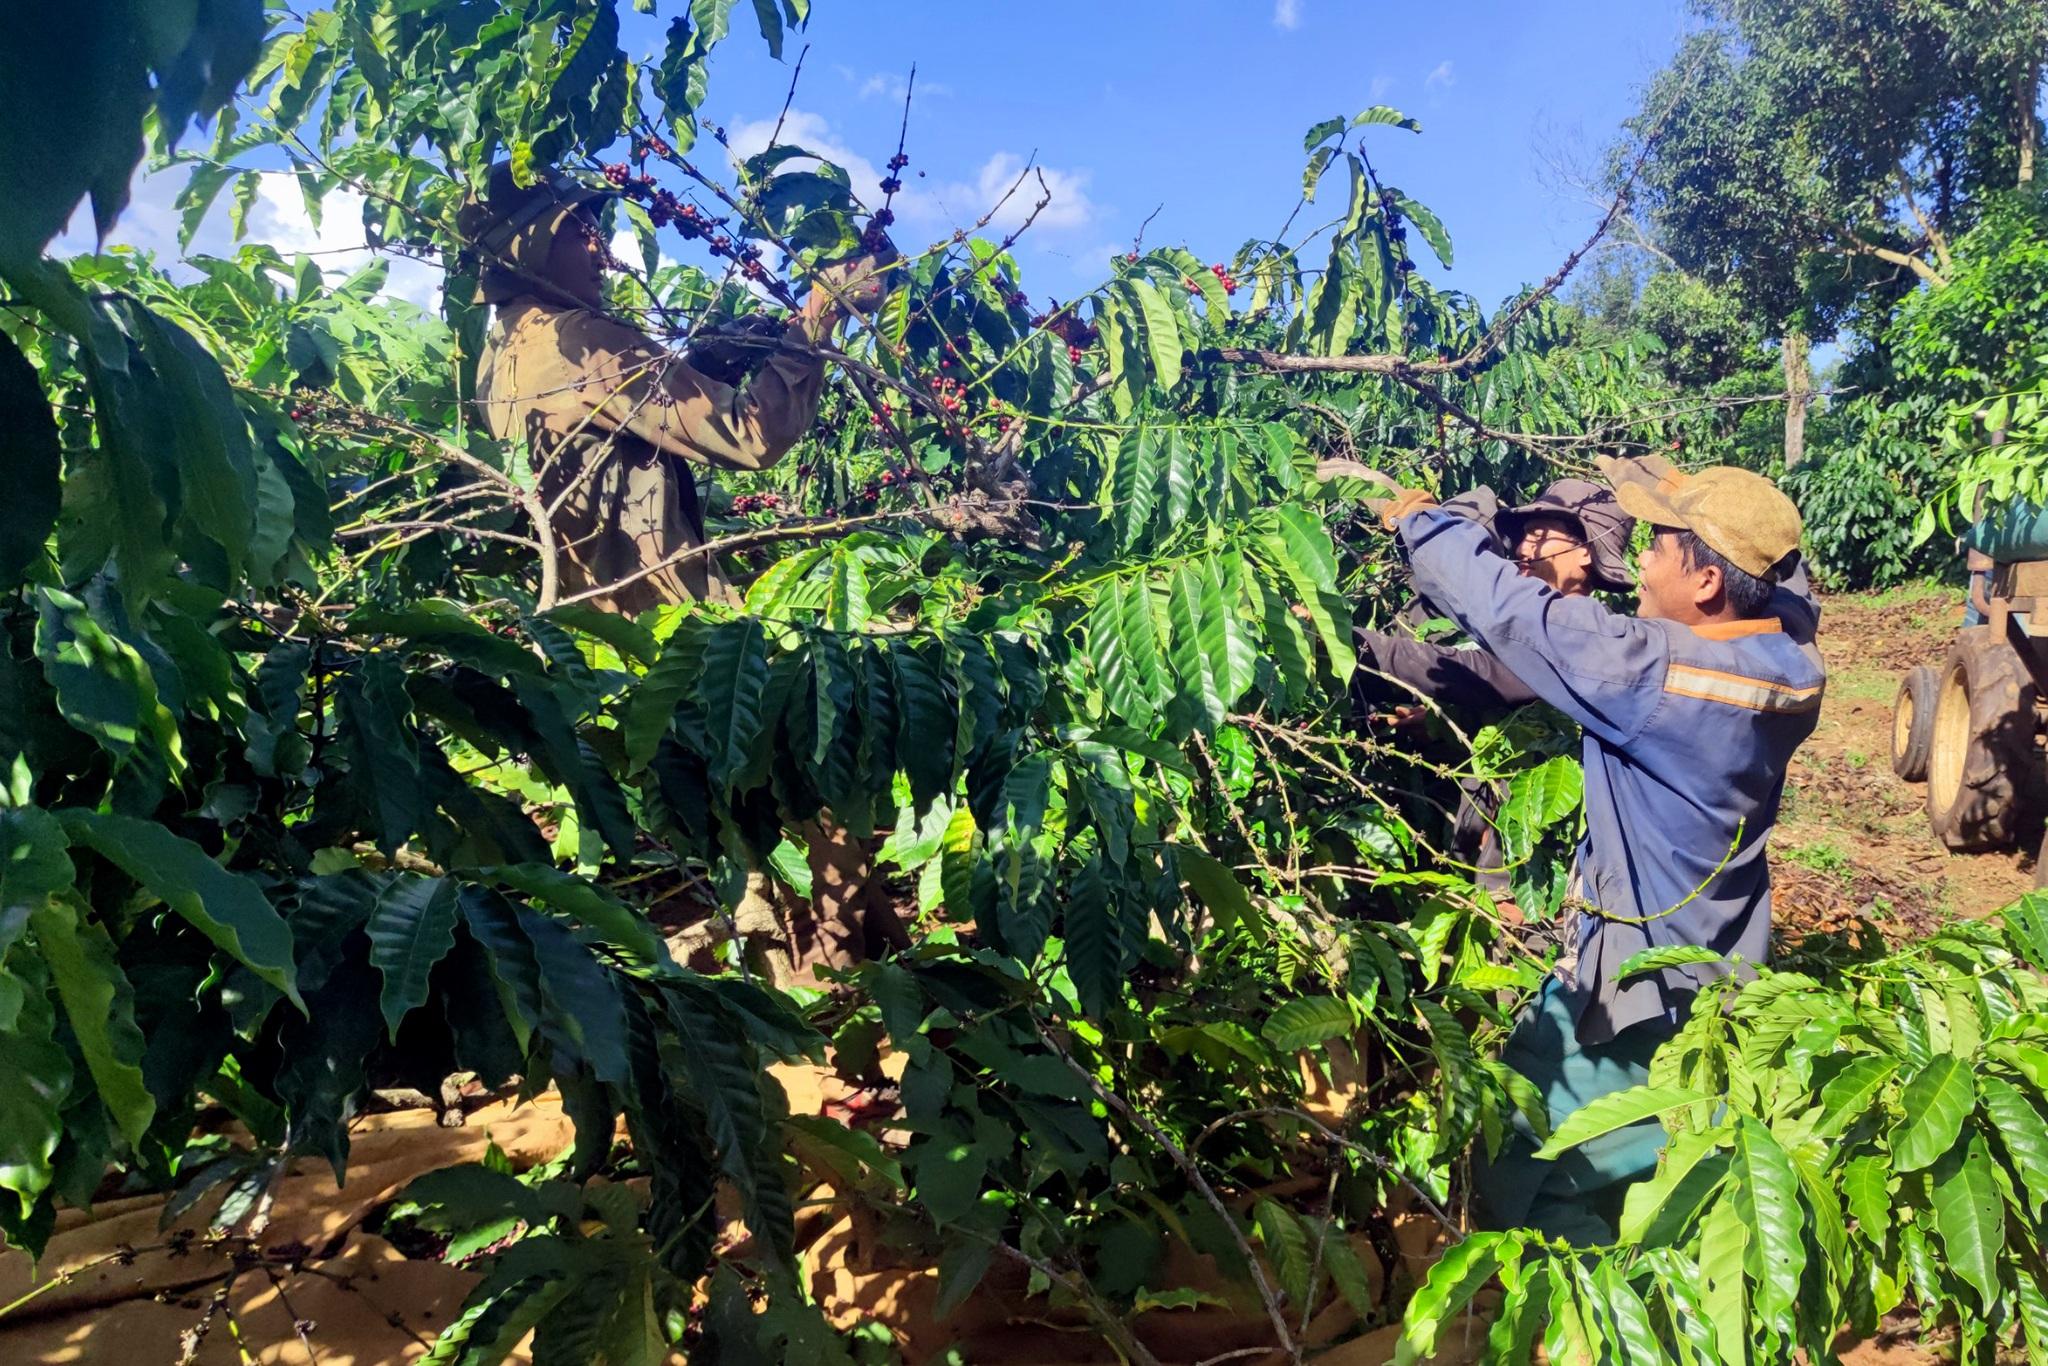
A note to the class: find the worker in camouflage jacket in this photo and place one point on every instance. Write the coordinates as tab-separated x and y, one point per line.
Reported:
610	418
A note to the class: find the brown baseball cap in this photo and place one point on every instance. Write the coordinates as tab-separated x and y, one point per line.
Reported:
1742	516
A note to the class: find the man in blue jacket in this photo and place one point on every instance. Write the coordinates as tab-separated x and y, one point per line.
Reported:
1691	709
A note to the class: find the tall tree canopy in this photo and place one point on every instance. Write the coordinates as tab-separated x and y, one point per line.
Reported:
1820	156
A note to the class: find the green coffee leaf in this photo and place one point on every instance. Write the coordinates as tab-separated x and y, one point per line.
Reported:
411	928
1970	1216
1764	1191
225	907
100	1004
1307	1021
35	1076
1464	1269
1933	1106
2021	1131
1616	1111
34	866
1287	1246
1665	956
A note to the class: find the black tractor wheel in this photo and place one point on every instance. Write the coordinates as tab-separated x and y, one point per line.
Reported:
1913	723
1985	782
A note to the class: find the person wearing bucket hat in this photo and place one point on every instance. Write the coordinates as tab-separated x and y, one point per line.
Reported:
1572	533
1691	710
1572	536
612	420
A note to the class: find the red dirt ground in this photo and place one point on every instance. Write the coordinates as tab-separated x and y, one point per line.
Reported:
1853	841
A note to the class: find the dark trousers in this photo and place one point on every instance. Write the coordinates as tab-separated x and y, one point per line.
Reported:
1578	1196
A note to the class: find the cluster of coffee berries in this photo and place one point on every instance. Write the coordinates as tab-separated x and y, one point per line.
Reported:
1397	233
878	415
654	146
755	502
1224	277
1078	336
949	393
312	407
870	493
875	235
663	208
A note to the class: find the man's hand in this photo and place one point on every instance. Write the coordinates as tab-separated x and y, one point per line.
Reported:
1398	503
859	282
728	352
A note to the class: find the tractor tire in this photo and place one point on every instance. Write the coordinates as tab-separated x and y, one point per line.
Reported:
1913	723
1985	778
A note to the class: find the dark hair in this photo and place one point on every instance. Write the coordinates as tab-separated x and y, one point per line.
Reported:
1747	595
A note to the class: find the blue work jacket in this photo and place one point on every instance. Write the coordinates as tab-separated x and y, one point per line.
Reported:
1688	733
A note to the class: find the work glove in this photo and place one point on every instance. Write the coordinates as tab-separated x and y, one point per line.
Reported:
1337	467
1392	510
1398	503
730	351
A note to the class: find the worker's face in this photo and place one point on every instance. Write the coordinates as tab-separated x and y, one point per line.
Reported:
576	257
1552	551
1666	588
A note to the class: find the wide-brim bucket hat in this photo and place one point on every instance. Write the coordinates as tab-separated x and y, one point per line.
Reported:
1603	524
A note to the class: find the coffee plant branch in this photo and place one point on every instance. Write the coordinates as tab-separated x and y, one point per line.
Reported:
1423	1197
788	531
1406	368
527	500
1190	1169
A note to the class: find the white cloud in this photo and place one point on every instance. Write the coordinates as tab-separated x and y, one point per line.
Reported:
277	216
1287	14
1381	87
896	87
1068	206
1441	78
936	205
1092	263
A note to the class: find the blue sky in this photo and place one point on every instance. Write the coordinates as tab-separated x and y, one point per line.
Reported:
1200	108
1195	108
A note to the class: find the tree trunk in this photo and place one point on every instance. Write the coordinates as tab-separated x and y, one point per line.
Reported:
1797	351
2030	126
850	917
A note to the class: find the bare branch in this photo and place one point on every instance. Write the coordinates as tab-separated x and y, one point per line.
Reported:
1863	246
789	531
